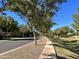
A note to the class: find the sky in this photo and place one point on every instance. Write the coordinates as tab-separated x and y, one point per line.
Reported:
16	17
63	17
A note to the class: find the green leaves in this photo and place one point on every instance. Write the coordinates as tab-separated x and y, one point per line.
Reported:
75	25
49	1
63	31
37	14
78	9
7	24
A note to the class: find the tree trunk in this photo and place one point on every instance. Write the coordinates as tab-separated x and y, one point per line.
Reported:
35	38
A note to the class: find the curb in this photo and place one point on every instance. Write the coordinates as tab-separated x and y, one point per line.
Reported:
48	52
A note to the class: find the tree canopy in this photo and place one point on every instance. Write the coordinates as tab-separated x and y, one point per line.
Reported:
7	24
38	12
75	25
64	31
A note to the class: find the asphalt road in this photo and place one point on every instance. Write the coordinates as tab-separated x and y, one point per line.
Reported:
6	45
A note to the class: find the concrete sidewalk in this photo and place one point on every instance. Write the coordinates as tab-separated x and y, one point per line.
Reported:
48	52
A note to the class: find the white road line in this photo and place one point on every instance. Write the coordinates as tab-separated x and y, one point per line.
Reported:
14	49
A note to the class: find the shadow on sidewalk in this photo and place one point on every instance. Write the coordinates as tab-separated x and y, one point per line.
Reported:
52	56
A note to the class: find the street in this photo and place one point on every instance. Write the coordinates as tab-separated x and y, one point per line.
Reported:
6	45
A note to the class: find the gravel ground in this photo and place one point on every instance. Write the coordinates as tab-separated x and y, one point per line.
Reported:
28	51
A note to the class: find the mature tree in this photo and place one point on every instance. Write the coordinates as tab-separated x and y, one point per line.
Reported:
63	31
76	22
49	34
38	12
8	24
24	30
71	30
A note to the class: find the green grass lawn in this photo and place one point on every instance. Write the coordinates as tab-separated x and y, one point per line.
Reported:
66	49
